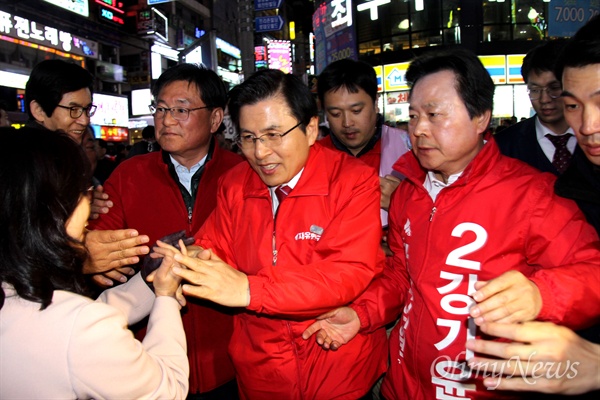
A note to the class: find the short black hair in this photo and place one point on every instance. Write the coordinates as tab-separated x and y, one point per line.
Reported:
541	58
473	83
582	49
43	175
348	74
51	79
209	84
149	132
268	83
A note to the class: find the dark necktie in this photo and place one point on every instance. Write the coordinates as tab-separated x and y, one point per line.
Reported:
562	156
282	192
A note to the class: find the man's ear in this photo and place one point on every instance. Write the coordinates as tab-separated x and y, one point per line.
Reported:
312	130
216	117
483	121
38	113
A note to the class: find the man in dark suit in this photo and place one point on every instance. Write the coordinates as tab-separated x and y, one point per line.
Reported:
545	140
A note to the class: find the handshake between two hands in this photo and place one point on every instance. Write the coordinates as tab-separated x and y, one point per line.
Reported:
174	259
163	252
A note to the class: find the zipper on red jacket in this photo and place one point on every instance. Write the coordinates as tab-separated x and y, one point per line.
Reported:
274	248
433	210
190	216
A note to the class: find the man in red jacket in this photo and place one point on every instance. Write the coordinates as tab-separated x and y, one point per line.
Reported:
175	189
477	237
347	90
286	258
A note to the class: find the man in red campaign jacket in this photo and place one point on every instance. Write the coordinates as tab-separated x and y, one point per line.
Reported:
477	237
176	189
286	261
348	93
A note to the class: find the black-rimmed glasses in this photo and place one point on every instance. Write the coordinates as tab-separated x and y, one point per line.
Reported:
248	140
77	111
178	114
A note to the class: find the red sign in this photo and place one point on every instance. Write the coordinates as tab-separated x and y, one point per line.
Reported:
115	5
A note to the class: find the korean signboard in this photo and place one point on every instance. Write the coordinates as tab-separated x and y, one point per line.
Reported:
31	31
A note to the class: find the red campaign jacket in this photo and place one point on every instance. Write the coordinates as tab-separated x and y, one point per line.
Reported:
499	215
320	252
147	198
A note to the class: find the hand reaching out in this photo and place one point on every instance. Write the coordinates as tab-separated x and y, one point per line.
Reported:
388	184
509	298
100	203
211	278
334	328
543	357
111	253
164	281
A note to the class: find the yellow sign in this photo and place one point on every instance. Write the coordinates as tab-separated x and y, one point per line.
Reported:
379	72
515	61
496	67
394	77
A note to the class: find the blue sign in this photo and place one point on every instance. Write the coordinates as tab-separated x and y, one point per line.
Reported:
262	5
268	23
151	2
567	16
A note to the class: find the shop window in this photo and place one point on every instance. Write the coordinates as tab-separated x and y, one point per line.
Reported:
369	48
452	36
401	42
428	18
493	33
426	38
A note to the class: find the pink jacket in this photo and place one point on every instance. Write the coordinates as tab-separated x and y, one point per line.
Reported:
78	348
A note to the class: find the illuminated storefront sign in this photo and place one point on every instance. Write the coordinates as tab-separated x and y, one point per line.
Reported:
341	13
228	48
153	24
395	77
496	67
372	6
379	73
514	62
260	57
77	6
109	15
335	38
280	56
110	111
114	5
18	27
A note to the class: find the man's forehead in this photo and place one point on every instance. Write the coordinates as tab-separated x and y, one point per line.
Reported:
81	97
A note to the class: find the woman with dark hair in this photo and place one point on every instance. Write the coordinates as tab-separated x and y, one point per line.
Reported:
56	342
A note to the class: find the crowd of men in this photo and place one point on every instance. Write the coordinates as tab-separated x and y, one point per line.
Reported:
289	285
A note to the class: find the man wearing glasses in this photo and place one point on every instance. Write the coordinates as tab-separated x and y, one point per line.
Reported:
295	232
544	141
58	96
175	190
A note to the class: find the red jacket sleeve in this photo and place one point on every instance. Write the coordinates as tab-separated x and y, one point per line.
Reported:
567	249
383	300
339	267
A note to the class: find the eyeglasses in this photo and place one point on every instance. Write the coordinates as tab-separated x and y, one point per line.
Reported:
77	111
178	114
554	91
248	140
